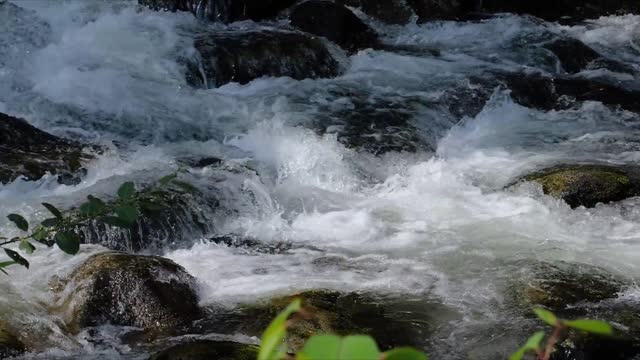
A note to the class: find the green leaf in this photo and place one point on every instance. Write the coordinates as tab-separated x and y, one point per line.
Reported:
20	222
272	338
115	221
27	247
185	186
533	344
93	207
165	180
591	326
405	353
359	347
40	234
68	242
127	213
126	190
546	316
51	222
5	264
322	347
53	210
17	258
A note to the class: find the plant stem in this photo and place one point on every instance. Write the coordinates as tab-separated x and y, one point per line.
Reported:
551	343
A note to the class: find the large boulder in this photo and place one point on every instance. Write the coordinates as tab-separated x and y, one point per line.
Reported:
565	10
390	11
148	292
334	22
223	10
588	185
31	153
244	56
208	350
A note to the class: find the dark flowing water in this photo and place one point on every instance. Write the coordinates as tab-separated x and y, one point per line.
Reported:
437	221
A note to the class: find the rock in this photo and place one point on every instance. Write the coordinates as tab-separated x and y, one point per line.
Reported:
549	93
428	10
31	153
208	350
223	10
115	288
242	57
395	12
334	22
392	322
588	185
575	56
565	10
562	285
10	345
182	217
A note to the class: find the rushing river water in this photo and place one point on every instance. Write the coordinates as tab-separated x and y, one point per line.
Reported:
437	222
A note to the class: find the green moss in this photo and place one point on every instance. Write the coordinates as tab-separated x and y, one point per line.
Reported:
586	185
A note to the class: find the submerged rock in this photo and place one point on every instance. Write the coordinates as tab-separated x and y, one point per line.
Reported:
208	350
562	285
392	322
588	185
575	56
563	10
244	56
10	345
334	22
390	11
223	10
428	10
31	153
115	288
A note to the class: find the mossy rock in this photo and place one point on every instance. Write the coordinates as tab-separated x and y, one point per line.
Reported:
208	350
588	185
391	321
10	345
148	292
561	285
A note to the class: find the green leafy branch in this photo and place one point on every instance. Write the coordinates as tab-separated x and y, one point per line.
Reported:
543	351
61	228
325	347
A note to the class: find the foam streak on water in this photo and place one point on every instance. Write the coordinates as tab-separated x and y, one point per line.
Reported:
436	223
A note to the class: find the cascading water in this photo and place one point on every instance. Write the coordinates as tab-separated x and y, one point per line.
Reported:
438	222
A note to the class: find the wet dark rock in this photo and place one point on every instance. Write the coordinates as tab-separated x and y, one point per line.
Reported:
575	56
244	56
10	345
334	22
393	322
390	11
178	216
223	10
31	153
588	185
548	93
208	350
563	10
428	10
560	285
115	288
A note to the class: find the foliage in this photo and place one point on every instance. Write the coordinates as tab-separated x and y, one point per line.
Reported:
324	347
543	351
61	228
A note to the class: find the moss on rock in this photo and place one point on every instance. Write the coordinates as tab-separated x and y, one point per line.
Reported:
10	345
588	185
